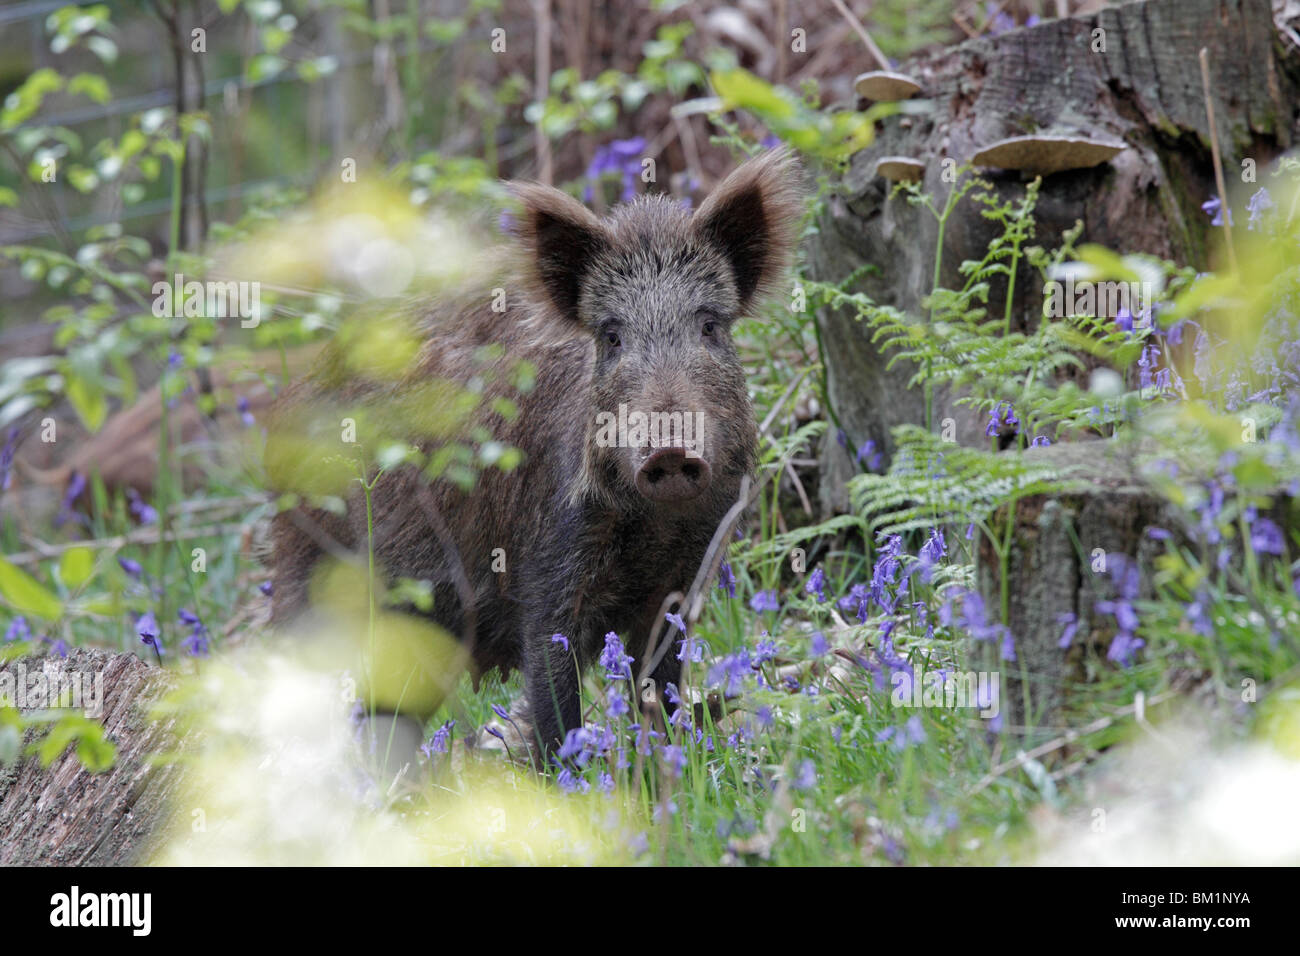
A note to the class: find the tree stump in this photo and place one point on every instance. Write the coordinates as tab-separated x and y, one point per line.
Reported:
1062	547
1142	88
63	815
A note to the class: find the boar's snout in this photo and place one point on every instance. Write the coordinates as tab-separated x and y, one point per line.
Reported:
670	474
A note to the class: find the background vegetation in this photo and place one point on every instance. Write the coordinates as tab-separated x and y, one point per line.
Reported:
235	162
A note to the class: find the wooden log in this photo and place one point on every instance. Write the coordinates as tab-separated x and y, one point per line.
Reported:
64	815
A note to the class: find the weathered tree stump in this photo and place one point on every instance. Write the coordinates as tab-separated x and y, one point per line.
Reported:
1144	90
63	815
1064	546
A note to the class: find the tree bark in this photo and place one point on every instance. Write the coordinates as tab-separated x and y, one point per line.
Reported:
63	815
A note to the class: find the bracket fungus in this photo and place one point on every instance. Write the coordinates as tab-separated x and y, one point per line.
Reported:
885	86
1039	154
900	168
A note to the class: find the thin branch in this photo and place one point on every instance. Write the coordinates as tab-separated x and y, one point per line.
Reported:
862	33
1225	212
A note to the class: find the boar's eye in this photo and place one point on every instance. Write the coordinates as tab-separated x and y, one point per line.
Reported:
611	336
708	323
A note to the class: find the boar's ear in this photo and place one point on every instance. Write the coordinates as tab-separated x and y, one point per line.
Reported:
561	238
751	217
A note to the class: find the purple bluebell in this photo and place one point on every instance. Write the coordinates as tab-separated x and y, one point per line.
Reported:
617	663
1266	537
18	630
440	742
1214	207
806	778
1259	204
868	454
817	584
7	458
1071	622
726	580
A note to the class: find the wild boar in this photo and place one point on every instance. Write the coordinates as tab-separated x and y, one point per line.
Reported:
626	321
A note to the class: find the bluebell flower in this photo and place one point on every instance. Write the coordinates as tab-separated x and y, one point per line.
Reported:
616	702
1266	537
440	742
147	628
817	584
18	630
726	580
144	512
764	601
7	458
1214	207
806	778
1071	622
67	507
617	663
674	758
1259	204
731	672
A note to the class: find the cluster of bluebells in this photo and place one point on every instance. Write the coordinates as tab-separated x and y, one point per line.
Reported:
18	630
1001	420
1127	582
440	742
889	592
590	753
966	609
1274	366
621	157
196	642
1002	22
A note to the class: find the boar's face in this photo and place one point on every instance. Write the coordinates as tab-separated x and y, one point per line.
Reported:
658	290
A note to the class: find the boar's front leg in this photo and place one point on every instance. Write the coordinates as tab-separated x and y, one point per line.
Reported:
552	686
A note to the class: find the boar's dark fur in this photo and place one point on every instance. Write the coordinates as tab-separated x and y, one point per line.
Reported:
634	309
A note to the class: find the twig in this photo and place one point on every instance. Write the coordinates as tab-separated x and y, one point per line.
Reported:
1068	737
142	536
541	83
1225	212
861	31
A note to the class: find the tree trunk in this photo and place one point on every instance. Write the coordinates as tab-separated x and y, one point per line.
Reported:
1144	89
63	815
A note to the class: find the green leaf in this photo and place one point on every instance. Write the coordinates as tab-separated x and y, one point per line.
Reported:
22	103
91	85
27	596
76	566
89	400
